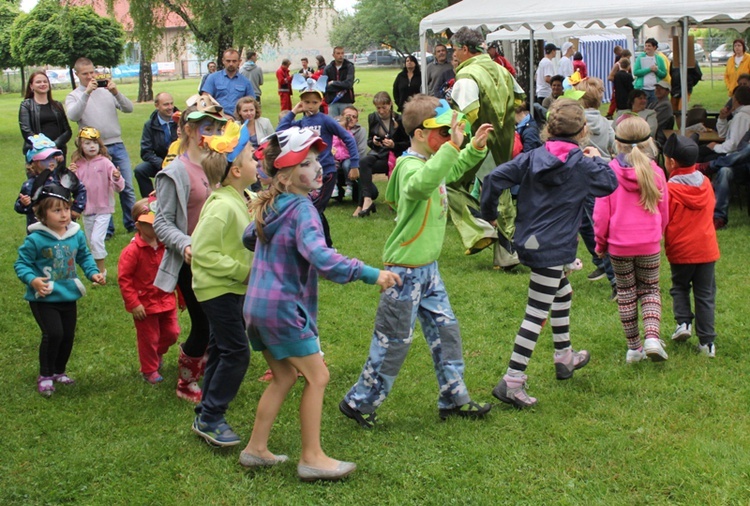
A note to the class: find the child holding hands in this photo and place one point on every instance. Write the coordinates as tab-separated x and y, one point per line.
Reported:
282	303
629	225
690	240
154	311
417	187
554	180
95	170
46	264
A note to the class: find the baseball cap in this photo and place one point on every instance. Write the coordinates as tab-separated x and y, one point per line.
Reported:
664	84
566	46
42	147
683	150
295	143
550	47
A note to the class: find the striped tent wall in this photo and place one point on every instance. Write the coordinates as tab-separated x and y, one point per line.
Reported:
598	54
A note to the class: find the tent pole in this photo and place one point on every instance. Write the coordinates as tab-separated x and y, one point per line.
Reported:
423	59
683	75
710	64
531	71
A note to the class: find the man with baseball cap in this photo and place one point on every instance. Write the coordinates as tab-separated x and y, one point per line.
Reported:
544	73
565	66
494	50
663	108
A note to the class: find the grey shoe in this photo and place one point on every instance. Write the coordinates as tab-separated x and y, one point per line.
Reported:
308	473
250	460
682	332
568	361
512	390
596	274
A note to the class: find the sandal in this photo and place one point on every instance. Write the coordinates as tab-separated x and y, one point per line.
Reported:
63	379
45	385
469	410
365	420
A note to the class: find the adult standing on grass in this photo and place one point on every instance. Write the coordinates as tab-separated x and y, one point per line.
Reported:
649	68
738	64
41	114
211	69
227	86
253	73
340	88
436	69
408	82
93	106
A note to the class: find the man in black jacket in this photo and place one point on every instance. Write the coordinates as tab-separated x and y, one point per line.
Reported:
158	133
340	87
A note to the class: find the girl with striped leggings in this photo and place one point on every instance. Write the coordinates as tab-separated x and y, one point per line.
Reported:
554	181
629	225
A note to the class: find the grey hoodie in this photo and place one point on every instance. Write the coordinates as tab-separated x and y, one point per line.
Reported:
601	134
254	74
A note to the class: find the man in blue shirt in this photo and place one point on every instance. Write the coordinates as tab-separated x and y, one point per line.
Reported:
227	86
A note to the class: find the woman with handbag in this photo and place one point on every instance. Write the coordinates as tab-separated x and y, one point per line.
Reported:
387	139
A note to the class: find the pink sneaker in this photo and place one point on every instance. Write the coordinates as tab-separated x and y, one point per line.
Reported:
568	360
512	390
153	377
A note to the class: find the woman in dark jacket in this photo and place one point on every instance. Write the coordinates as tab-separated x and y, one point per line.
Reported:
408	82
386	135
40	114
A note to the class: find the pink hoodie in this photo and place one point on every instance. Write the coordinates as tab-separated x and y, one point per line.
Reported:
621	226
96	176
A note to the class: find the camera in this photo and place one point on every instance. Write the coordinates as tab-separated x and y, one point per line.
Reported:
102	83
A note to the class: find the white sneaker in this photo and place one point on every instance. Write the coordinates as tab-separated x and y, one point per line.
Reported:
654	348
335	192
634	356
708	350
682	332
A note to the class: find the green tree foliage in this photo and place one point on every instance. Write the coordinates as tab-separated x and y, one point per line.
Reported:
8	14
52	34
384	23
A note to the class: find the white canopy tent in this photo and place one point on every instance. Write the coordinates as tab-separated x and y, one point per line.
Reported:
549	14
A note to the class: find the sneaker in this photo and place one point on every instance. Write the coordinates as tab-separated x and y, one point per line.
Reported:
469	410
335	193
654	348
575	265
153	377
613	295
45	385
682	332
348	191
217	434
634	356
365	420
720	223
568	361
512	390
596	274
708	350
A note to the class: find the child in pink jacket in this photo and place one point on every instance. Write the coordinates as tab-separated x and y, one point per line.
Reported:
629	225
95	170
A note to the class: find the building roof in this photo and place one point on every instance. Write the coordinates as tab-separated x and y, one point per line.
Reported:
122	12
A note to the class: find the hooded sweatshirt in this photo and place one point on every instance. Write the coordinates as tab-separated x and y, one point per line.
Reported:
281	307
254	74
554	180
690	237
601	134
46	254
622	226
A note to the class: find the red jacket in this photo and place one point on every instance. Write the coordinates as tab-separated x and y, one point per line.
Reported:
502	60
284	78
137	270
690	237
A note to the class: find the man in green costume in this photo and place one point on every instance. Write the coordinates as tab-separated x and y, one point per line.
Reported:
487	93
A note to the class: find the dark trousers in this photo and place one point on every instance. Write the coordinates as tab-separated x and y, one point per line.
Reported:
320	200
368	166
197	341
703	282
587	234
228	355
144	172
57	320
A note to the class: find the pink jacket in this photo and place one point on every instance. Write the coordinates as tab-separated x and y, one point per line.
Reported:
340	152
621	226
96	176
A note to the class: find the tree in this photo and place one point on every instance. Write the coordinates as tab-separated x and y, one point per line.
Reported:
8	14
392	24
52	34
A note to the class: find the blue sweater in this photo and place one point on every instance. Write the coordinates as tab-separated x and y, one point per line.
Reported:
326	127
57	176
554	180
46	254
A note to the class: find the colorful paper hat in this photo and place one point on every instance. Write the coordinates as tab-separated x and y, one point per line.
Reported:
295	143
51	190
309	85
444	116
569	84
41	148
144	211
207	107
90	133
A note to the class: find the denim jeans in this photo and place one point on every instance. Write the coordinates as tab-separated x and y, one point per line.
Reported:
121	160
587	234
337	109
721	188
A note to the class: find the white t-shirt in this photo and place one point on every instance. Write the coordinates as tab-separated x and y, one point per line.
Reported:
546	68
565	67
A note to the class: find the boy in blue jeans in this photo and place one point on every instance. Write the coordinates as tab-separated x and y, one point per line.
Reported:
417	187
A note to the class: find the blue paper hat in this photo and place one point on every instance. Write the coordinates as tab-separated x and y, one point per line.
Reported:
41	148
309	85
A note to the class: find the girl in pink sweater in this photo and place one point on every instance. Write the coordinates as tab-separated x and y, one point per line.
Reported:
95	170
629	225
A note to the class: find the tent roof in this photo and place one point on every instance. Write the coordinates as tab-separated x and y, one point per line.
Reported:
560	33
537	14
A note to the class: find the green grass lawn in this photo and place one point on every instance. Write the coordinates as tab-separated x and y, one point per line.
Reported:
670	433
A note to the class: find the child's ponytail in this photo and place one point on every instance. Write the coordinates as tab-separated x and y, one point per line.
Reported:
634	141
263	203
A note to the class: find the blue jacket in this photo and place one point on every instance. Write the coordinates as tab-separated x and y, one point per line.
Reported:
554	180
154	145
46	254
326	127
71	182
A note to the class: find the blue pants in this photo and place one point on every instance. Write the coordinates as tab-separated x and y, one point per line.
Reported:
228	355
422	295
121	160
726	167
337	109
587	234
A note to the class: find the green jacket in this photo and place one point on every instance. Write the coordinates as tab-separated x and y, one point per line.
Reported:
221	263
640	72
417	192
496	105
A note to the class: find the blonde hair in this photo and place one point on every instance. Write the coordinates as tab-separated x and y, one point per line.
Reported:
566	119
78	153
263	203
417	109
634	141
243	101
214	166
593	89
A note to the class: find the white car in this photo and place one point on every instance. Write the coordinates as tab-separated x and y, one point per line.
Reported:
722	53
428	56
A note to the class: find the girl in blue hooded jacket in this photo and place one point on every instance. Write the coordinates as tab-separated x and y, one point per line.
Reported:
554	181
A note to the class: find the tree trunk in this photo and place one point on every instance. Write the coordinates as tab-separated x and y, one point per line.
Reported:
145	79
72	78
522	64
225	41
23	82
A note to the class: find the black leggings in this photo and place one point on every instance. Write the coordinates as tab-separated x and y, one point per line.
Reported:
197	341
368	166
57	320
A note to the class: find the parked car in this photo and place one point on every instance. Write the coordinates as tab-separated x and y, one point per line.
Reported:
383	57
428	56
360	59
722	53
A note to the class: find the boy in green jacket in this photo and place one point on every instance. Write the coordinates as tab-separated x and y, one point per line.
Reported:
221	269
417	191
